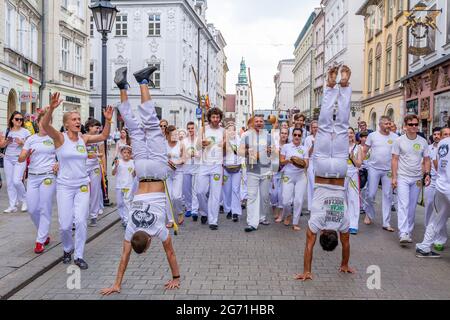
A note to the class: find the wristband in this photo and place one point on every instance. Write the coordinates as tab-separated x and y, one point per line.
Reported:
176	277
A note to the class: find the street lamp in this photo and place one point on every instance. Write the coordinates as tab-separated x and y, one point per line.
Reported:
104	14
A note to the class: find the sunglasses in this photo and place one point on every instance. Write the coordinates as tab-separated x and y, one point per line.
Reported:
18	119
413	124
297	135
163	126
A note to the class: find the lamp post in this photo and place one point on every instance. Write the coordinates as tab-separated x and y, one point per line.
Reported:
104	14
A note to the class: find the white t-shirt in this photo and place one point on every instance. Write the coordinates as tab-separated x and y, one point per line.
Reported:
328	210
124	175
432	152
443	173
43	158
290	150
309	142
411	154
232	158
13	149
214	152
93	150
381	150
148	214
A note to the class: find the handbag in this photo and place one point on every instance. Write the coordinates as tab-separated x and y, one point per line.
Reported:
233	169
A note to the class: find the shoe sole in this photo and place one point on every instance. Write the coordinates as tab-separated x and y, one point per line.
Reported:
427	257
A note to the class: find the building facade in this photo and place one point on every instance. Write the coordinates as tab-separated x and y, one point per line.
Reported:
427	84
303	70
344	44
243	107
20	57
319	60
284	85
173	36
385	60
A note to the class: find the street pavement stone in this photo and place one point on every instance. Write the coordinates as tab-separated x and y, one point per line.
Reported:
229	264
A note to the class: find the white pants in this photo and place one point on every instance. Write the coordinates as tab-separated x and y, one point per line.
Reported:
408	191
124	198
232	193
188	179
276	191
96	195
311	180
209	179
244	184
73	207
430	192
352	195
373	182
14	175
294	188
175	188
437	223
40	191
258	202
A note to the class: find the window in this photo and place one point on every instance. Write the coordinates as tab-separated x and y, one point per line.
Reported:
448	22
10	26
390	11
156	76
78	59
154	25
91	76
92	26
399	49
80	8
378	67
431	38
65	54
399	6
33	43
65	3
371	25
370	72
122	25
388	60
380	18
22	30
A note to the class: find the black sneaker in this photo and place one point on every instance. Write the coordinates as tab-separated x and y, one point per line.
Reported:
423	254
235	218
204	220
393	209
250	229
221	210
81	264
145	74
67	258
195	218
214	227
229	216
121	78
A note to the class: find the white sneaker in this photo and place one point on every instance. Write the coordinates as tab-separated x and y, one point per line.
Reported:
100	212
10	210
405	239
24	207
409	239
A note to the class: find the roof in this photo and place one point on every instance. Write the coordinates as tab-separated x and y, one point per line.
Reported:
305	28
230	103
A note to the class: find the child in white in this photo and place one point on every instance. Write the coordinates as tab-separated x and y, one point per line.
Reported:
408	151
41	185
294	179
125	174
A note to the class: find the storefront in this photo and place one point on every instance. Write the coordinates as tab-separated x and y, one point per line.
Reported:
427	94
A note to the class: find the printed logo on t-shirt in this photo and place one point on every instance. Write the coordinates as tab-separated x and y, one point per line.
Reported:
417	147
97	171
48	143
81	149
216	177
285	179
84	189
142	217
419	184
48	182
130	170
443	151
225	179
390	141
334	207
300	151
389	175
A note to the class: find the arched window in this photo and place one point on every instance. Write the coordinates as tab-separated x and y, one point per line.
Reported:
388	60
378	67
390	112
370	72
399	54
373	121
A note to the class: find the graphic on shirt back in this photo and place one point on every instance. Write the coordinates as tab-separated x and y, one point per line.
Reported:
143	219
334	208
443	151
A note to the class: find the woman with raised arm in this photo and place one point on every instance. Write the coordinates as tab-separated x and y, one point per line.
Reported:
72	183
13	141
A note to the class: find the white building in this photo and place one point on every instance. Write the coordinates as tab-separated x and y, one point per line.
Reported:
243	109
222	68
303	71
319	60
20	57
344	43
172	35
284	85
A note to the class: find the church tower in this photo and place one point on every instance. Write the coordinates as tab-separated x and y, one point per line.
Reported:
243	99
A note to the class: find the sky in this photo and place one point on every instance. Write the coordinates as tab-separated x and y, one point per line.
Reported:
263	32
